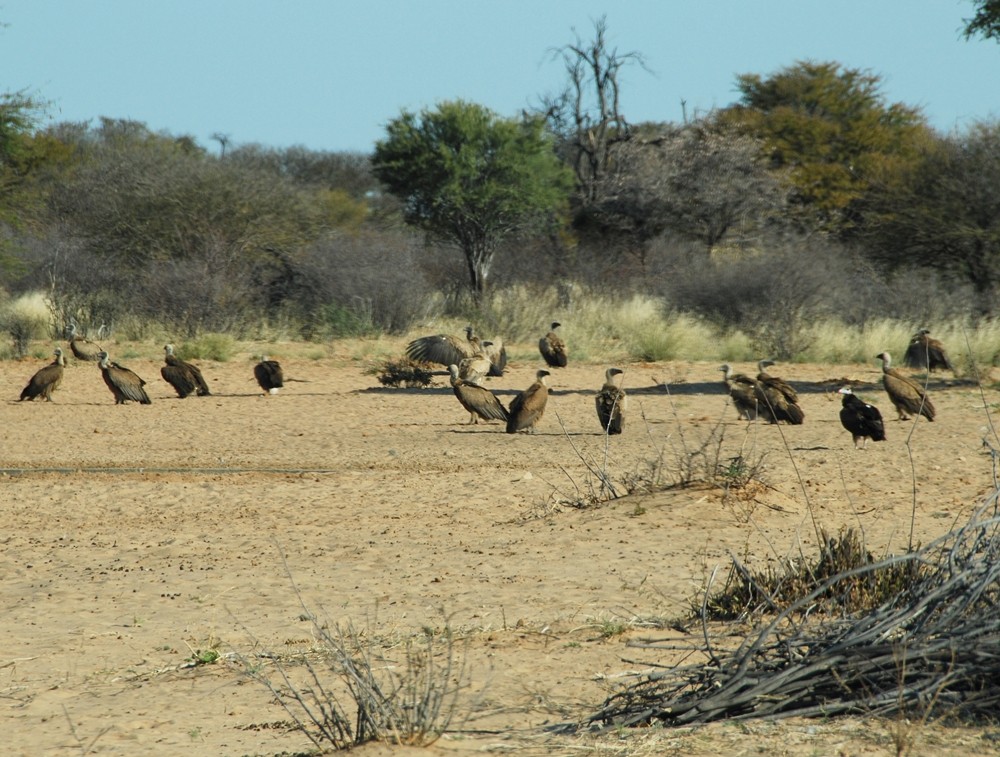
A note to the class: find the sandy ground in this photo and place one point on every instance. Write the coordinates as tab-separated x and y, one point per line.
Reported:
134	537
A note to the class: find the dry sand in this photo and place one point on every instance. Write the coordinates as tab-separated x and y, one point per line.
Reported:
134	536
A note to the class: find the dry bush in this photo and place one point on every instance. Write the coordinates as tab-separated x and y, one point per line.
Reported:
404	373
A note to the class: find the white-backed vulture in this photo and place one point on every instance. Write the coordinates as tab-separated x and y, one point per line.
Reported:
269	375
478	400
743	391
553	348
528	407
445	349
477	365
82	349
124	384
777	401
46	380
612	402
183	377
906	395
864	421
926	353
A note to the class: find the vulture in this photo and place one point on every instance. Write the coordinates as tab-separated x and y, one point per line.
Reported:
527	408
446	349
553	348
183	377
743	391
864	421
82	349
124	384
926	353
612	402
776	399
46	380
476	366
478	400
906	395
269	375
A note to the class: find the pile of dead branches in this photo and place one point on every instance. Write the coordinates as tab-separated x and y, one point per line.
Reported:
933	649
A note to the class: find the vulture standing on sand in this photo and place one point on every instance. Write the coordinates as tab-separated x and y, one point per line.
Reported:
478	400
906	395
183	377
445	349
926	353
612	402
269	375
743	391
776	399
46	380
476	366
527	408
553	348
82	349
124	384
864	421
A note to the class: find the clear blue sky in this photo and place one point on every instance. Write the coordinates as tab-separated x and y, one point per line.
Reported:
329	74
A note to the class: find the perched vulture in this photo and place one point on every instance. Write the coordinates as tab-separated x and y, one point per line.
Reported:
926	353
906	395
124	384
183	377
82	349
612	402
46	380
527	408
269	375
445	349
478	400
864	421
777	401
743	391
553	348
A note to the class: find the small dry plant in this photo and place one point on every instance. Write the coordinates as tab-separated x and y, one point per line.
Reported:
405	373
350	689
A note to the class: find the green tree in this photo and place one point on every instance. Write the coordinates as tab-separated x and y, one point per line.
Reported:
471	178
985	22
831	128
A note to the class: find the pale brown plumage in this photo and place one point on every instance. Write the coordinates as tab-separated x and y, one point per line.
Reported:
777	401
527	408
743	391
269	375
184	377
478	400
906	395
124	383
553	348
475	367
926	353
612	402
46	380
445	349
82	349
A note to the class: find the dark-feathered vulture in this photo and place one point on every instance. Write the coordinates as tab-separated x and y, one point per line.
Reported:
445	349
864	421
743	391
46	380
527	408
269	375
906	395
777	401
183	377
926	353
124	384
82	349
553	348
612	402
478	400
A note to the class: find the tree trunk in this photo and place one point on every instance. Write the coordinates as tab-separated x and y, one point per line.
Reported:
478	257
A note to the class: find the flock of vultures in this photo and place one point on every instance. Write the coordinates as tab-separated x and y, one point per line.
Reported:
126	385
470	360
